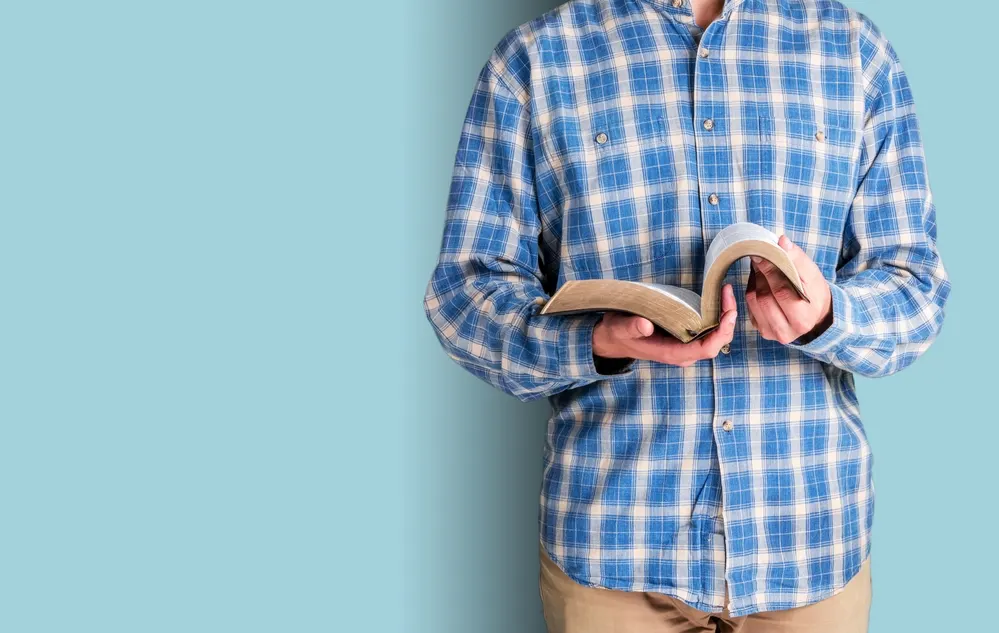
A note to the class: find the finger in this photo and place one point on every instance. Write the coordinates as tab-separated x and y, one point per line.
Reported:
751	296
780	287
626	326
799	257
811	279
754	286
728	299
672	351
639	327
807	269
785	242
661	349
773	322
759	320
754	291
710	345
704	348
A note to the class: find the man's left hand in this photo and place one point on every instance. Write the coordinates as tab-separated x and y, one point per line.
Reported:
775	308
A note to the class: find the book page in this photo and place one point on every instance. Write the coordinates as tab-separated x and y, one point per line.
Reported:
733	234
672	309
688	297
742	239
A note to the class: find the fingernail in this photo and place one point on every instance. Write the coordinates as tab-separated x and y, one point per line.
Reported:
756	260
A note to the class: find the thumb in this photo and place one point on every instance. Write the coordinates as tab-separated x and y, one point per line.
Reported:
806	267
635	327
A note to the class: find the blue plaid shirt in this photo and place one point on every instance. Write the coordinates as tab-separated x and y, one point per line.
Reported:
613	139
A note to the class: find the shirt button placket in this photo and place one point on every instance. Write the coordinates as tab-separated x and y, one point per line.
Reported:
708	105
709	108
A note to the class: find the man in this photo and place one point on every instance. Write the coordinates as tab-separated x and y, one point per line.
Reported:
723	484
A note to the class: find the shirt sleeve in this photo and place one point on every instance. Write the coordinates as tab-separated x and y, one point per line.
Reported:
890	288
486	291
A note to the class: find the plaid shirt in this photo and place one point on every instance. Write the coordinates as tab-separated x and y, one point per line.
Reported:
613	139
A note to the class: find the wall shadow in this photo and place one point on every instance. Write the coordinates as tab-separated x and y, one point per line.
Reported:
474	474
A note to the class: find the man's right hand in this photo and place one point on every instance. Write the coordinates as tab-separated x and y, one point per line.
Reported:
625	336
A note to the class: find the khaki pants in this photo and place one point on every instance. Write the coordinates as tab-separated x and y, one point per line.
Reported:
573	608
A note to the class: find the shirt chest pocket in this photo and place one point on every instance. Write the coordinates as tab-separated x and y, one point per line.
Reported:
803	178
619	183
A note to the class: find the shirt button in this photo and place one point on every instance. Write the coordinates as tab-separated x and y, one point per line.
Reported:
709	124
820	136
703	53
713	199
727	425
726	348
677	4
601	138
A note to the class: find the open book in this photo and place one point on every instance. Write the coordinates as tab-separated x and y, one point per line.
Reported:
681	312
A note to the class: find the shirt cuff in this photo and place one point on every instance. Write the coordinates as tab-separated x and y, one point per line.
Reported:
575	348
825	345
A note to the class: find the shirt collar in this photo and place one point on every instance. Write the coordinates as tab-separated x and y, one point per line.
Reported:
682	7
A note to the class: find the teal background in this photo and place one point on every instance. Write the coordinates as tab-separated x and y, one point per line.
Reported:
221	408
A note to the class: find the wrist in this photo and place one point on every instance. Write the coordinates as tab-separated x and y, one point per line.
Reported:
825	321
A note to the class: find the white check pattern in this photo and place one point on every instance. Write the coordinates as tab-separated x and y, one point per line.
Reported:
604	141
